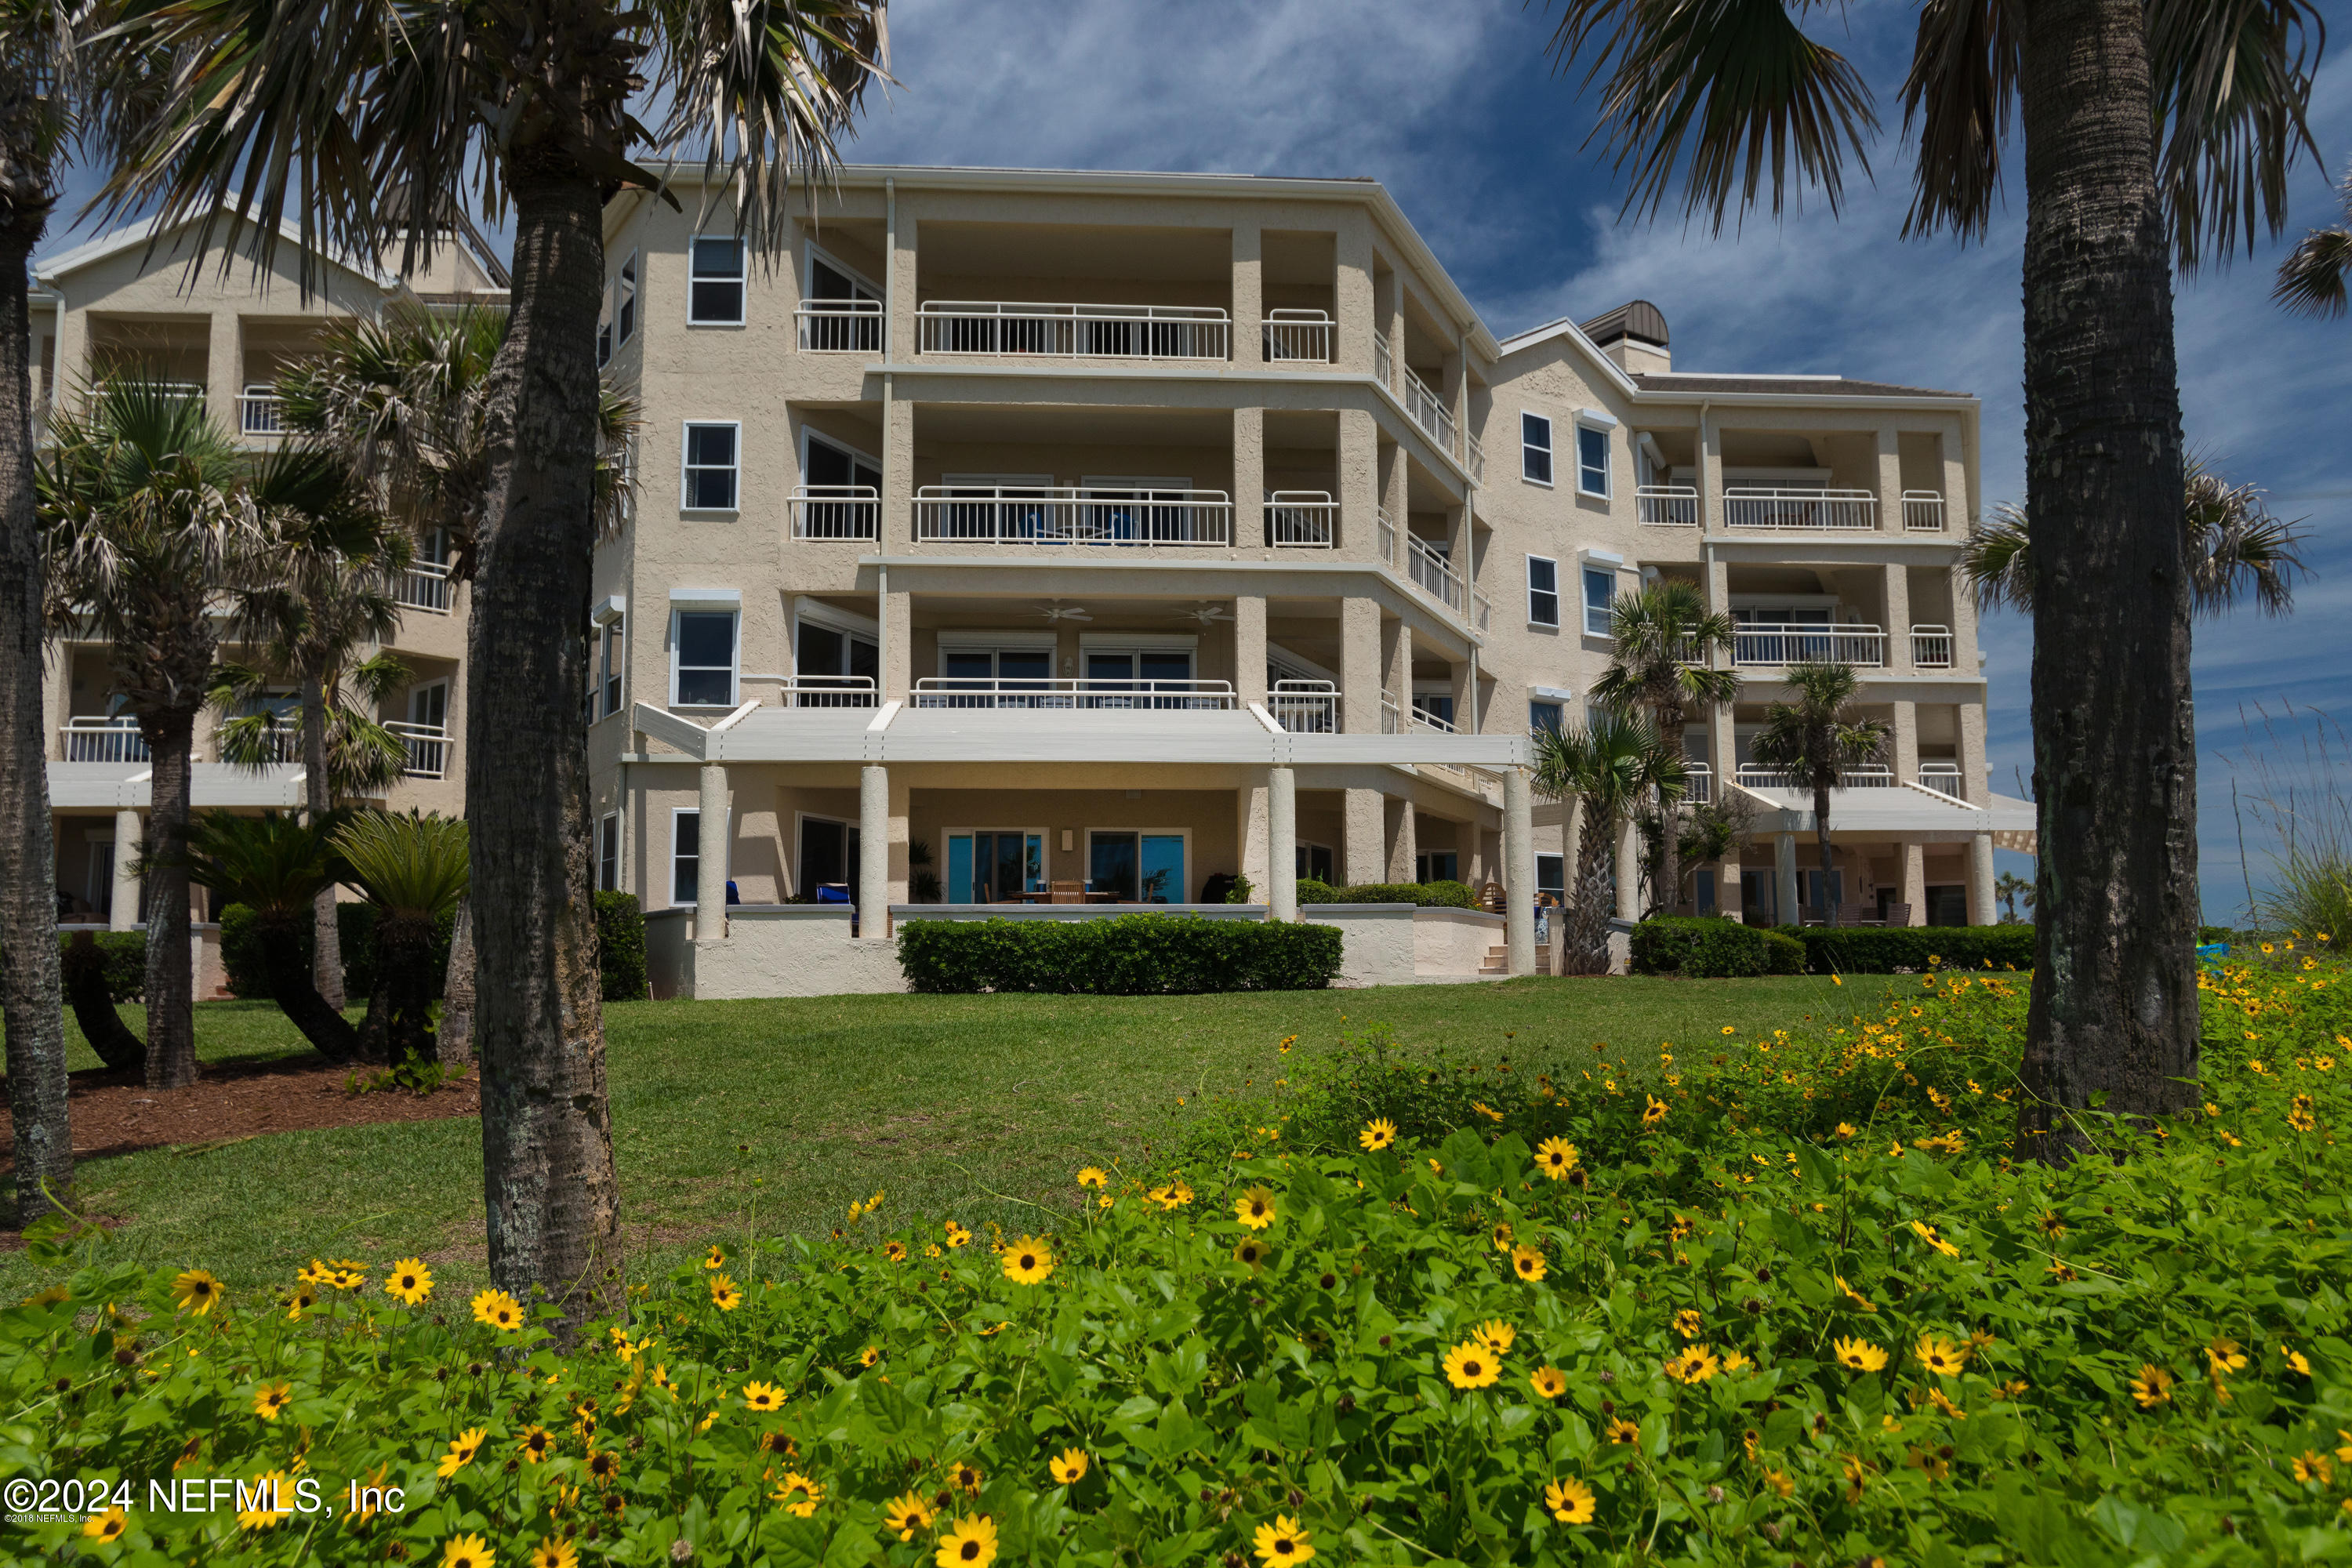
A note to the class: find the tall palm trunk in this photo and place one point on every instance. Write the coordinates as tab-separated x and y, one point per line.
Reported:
1667	896
319	798
1588	929
34	1016
547	1142
2114	1005
169	734
1825	896
453	1041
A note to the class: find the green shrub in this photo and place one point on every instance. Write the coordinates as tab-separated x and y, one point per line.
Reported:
355	935
1699	947
1891	950
1783	953
1427	895
1311	891
621	946
1125	955
125	956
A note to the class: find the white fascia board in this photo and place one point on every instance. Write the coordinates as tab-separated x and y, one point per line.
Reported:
47	269
689	597
1597	557
609	608
1599	419
661	724
1553	693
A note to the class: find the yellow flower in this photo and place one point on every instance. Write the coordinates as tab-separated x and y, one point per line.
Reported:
537	1443
1471	1365
1284	1540
1928	1234
905	1514
2225	1355
462	1449
1069	1467
1548	1382
1502	1235
1377	1134
1255	1208
1846	1129
271	1399
497	1309
895	1251
1570	1499
270	1502
2152	1386
1689	1324
2062	1271
106	1526
2315	1467
1252	1252
1853	1295
798	1493
1496	1335
718	1258
957	1236
409	1282
554	1554
869	1355
763	1396
2295	1360
725	1294
1654	1112
965	1475
1622	1432
1734	1361
1940	1357
1860	1355
1528	1263
1696	1364
196	1291
1092	1176
1556	1157
1027	1261
304	1296
969	1543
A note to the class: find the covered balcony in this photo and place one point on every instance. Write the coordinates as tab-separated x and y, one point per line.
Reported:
1076	292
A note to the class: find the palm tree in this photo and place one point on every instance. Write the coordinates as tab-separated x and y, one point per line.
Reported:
2154	131
2311	278
2009	890
1664	638
140	493
1817	738
2235	548
414	869
276	867
373	126
1611	767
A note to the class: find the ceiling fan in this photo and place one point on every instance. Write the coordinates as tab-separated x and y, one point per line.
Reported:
1058	610
1208	614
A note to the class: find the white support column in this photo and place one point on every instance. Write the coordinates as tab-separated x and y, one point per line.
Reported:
1249	646
1784	879
1365	848
1253	833
873	851
1897	595
1397	815
1906	740
1518	873
1359	665
713	833
129	834
1629	871
1981	910
1282	843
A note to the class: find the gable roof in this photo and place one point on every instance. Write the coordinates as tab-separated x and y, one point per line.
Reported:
153	231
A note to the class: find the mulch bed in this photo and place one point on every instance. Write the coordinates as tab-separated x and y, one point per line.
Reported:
115	1114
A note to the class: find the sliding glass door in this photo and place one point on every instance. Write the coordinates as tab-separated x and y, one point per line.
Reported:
1137	868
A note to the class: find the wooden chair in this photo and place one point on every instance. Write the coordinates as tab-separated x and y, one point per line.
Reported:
1898	914
1490	898
1855	914
1066	893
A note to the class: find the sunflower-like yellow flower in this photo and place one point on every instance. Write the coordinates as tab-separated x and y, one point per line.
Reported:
106	1526
1654	1112
496	1309
1028	1260
1570	1501
907	1514
2152	1386
1497	1335
798	1493
467	1552
462	1449
1252	1253
725	1294
536	1443
1285	1541
1696	1364
409	1282
1528	1263
957	1236
1068	1467
970	1542
271	1398
1471	1365
553	1552
1547	1382
196	1291
763	1396
1255	1208
1556	1157
1377	1134
1689	1324
1933	1237
1941	1356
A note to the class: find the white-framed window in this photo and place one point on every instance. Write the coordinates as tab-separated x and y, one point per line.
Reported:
609	654
1545	715
625	301
1535	448
703	663
428	706
714	283
1592	461
826	462
608	853
709	458
604	328
1600	593
1543	592
1144	865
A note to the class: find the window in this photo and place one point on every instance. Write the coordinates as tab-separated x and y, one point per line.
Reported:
984	677
1543	592
685	855
625	301
608	854
605	329
705	660
830	657
995	865
711	459
1592	460
1314	860
1551	878
830	852
1435	866
1139	678
1137	868
1545	716
827	464
608	670
428	706
714	289
1434	706
1535	448
1600	590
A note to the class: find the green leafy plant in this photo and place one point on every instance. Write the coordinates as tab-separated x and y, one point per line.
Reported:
1125	955
414	869
1708	946
1441	894
621	946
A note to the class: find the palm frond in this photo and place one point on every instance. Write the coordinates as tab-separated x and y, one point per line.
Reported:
273	864
2231	81
2236	546
1961	94
2311	278
412	865
1996	562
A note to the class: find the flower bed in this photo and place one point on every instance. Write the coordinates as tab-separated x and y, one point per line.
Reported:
1746	1300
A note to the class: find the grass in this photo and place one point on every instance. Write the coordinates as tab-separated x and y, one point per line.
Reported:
774	1115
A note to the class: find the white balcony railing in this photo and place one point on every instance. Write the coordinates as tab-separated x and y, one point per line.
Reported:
1931	647
281	744
1428	410
1305	706
1387	538
1482	610
1431	573
115	740
1391	719
840	326
1295	335
1923	511
1383	362
1473	457
1755	644
837	511
829	691
1747	507
1752	776
1945	778
194	391
1302	520
1074	332
1667	506
961	514
1157	696
425	587
1698	783
258	413
1428	719
428	748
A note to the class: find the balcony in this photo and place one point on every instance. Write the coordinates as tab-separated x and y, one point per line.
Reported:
1297	336
837	511
1383	362
114	739
425	587
1751	777
1698	783
1428	411
1302	520
961	515
1305	706
1749	506
1431	573
258	414
1074	332
1944	778
276	745
1923	511
1931	647
830	691
1473	457
840	326
1064	693
428	749
1756	644
1667	506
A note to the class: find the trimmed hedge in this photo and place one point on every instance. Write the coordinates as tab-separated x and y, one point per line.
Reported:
621	946
1889	949
1427	895
1124	955
1703	947
1783	953
125	953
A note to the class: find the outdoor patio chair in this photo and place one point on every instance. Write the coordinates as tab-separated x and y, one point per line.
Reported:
1898	914
1067	892
1855	915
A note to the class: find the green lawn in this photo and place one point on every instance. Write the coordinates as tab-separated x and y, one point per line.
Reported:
960	1106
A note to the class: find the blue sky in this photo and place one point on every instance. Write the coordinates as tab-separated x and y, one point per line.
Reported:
1453	104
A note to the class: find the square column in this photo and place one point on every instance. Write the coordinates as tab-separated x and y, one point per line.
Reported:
713	836
1906	742
897	655
1518	873
1366	835
896	526
1249	295
1281	882
130	834
1391	316
1973	767
1890	489
1249	477
1915	882
1359	494
1249	646
1397	813
1360	666
1396	667
1254	835
1629	871
1784	879
873	851
225	367
1896	597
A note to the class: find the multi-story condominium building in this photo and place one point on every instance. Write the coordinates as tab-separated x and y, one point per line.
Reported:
140	303
1077	536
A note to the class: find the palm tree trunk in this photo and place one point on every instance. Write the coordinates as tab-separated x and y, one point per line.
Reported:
84	969
328	1032
454	1042
30	1009
169	734
319	798
2114	1006
1667	896
1587	943
547	1142
1826	893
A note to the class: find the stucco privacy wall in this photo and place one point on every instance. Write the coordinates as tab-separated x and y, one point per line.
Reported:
1452	942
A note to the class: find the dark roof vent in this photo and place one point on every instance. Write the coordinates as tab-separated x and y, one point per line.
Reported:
1636	319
